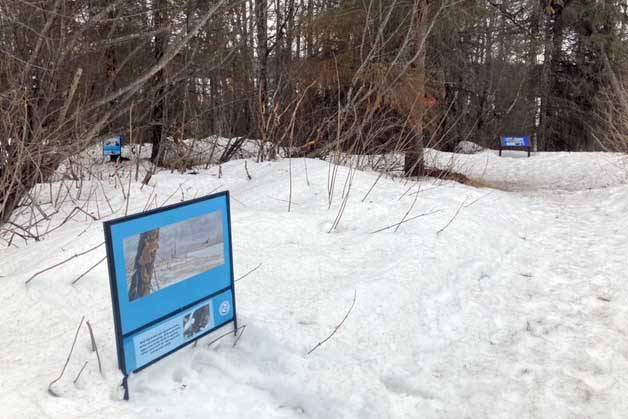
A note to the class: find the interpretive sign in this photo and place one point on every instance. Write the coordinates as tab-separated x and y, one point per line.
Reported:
113	146
515	143
171	276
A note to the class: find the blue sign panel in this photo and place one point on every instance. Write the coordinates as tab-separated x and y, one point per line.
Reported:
113	146
516	141
171	274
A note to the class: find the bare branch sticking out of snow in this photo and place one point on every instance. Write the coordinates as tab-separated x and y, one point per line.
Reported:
227	334
88	271
94	346
67	361
452	218
62	262
319	344
249	272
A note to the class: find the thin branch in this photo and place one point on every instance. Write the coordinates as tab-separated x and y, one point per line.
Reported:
319	344
62	262
246	169
80	372
452	218
476	200
248	273
416	197
406	220
89	270
237	339
373	186
94	346
67	361
225	334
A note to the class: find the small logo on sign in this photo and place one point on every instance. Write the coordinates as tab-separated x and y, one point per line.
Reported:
224	308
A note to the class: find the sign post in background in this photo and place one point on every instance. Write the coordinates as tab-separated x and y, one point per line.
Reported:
171	276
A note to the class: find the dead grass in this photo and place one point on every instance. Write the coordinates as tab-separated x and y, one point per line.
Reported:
451	175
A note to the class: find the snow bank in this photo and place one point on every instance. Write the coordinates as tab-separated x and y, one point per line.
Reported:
482	304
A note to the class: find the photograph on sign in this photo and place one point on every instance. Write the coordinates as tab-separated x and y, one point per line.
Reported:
514	141
171	276
113	146
197	321
112	142
162	257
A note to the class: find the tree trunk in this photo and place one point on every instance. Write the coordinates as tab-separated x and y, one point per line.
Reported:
546	134
261	23
261	26
414	164
309	41
161	42
144	265
533	93
544	88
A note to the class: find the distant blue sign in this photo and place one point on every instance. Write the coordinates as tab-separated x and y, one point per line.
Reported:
113	146
171	276
516	141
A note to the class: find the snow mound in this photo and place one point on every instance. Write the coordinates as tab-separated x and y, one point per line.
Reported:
468	147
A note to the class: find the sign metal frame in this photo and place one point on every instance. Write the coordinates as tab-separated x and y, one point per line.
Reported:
219	297
522	143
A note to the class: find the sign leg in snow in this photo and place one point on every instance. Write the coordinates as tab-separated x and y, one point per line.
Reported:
171	276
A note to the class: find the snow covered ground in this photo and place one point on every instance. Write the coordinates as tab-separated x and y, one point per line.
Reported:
484	303
542	171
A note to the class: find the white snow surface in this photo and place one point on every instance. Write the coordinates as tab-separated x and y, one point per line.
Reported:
497	303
